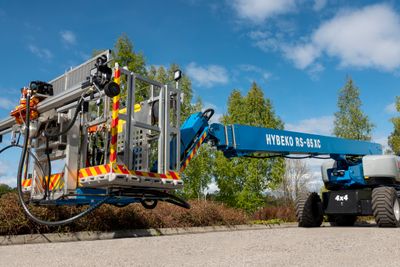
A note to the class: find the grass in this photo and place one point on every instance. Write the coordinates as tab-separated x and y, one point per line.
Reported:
268	222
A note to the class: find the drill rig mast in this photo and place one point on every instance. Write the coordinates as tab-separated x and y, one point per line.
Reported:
113	147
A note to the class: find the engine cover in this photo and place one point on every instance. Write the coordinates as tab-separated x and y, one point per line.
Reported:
381	166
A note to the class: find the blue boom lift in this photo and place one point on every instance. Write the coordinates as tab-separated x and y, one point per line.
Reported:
116	150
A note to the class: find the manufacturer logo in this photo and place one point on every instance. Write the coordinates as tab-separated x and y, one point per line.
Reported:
340	198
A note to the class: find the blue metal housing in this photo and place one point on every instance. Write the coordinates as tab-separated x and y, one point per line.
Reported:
239	140
352	176
191	129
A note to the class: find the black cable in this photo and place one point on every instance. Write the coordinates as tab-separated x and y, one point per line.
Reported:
303	157
316	157
19	182
78	109
47	181
9	146
18	139
29	152
47	152
264	157
286	157
208	113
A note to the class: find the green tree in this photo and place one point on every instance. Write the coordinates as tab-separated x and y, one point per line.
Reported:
198	173
350	121
394	138
243	181
125	56
4	189
166	76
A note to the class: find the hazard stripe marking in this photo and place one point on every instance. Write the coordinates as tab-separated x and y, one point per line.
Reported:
122	169
103	170
193	152
55	181
114	122
89	172
98	171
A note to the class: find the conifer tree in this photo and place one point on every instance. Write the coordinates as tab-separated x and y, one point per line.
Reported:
350	121
394	138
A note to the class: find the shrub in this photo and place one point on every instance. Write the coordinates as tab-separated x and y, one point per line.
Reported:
110	218
286	213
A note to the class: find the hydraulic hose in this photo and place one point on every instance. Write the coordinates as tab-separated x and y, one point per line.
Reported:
49	135
286	157
208	113
25	207
78	109
29	152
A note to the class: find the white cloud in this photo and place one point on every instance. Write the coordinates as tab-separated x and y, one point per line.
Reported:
212	188
6	103
391	108
258	11
207	76
68	37
319	4
251	68
9	180
6	175
367	38
314	167
4	169
383	141
302	55
42	53
267	41
319	125
216	118
257	34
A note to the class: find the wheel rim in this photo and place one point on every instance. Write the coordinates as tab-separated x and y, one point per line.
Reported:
149	202
396	209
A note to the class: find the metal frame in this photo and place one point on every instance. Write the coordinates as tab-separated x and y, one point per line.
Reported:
168	130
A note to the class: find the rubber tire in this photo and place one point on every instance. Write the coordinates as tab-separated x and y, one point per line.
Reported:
342	220
383	200
151	206
309	211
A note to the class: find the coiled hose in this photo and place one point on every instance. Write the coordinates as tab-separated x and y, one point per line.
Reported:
25	207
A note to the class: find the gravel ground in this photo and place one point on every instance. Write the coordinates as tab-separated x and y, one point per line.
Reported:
289	246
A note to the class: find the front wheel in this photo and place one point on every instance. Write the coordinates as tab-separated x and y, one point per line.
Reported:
149	204
309	210
386	207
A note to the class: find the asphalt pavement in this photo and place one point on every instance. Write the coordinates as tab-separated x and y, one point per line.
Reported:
285	246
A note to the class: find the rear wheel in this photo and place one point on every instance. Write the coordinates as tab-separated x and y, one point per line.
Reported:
342	220
386	207
149	204
309	210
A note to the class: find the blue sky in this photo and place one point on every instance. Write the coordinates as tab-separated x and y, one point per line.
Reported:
298	51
